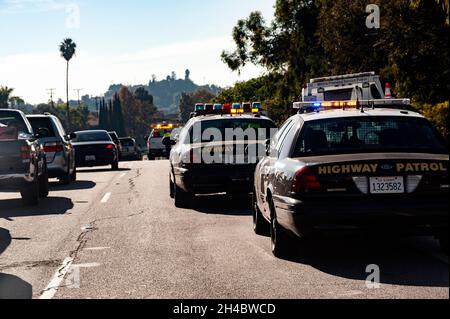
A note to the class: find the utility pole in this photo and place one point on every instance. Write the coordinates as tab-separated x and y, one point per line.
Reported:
51	91
78	92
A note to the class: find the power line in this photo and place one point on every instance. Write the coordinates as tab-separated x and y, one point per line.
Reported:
78	92
51	91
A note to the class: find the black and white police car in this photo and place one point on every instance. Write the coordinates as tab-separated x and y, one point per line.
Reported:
353	165
217	151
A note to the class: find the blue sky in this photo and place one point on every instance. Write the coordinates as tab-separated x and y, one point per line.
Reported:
118	42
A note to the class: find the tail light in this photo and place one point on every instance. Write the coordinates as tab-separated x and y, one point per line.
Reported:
305	181
25	152
53	148
109	146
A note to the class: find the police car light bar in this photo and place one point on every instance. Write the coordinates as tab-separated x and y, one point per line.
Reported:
323	105
227	108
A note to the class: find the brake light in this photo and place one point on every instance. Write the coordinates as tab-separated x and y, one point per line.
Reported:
109	146
305	181
25	152
53	148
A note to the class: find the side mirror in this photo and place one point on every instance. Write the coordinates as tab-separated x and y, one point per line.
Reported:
72	136
267	144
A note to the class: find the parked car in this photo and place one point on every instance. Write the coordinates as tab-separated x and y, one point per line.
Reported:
23	166
116	140
95	148
130	149
57	145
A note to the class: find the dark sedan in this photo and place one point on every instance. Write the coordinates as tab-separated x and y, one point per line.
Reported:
95	148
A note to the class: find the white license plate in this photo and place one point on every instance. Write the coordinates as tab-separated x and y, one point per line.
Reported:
90	158
387	185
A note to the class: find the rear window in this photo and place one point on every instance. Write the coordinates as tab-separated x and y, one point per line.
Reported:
259	128
92	137
338	95
12	126
42	123
127	142
369	134
157	134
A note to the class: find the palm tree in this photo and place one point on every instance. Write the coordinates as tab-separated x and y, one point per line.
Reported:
5	93
67	48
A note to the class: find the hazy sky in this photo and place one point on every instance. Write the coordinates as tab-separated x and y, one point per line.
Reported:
118	42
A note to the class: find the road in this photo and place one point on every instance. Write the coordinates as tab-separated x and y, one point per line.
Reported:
117	234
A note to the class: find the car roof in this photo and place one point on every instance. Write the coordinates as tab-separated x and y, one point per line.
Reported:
330	114
91	131
11	110
40	116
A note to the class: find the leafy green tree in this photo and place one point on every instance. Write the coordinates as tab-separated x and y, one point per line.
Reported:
67	48
186	107
5	93
188	101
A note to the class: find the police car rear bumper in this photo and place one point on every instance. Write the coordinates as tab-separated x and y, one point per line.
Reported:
211	180
405	216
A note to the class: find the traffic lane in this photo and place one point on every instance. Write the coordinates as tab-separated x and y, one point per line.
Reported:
42	236
143	247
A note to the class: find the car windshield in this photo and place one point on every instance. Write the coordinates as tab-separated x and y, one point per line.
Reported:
12	126
42	123
93	136
369	134
235	129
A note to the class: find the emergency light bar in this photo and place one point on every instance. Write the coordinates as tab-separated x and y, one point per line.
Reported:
227	108
355	104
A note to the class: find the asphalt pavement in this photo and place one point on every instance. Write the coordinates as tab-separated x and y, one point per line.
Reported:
117	234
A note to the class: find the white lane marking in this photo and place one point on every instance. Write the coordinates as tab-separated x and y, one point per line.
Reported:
122	175
97	248
106	198
57	279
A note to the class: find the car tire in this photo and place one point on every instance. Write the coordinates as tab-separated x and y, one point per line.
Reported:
280	241
66	178
30	194
43	185
260	225
171	188
182	199
115	166
151	157
73	176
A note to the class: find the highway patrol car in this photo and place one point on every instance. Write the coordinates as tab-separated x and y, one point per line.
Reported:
349	165
217	151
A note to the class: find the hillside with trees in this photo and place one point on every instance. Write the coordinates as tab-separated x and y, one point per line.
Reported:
166	93
320	38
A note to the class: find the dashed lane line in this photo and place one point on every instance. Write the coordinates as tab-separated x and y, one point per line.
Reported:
105	198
